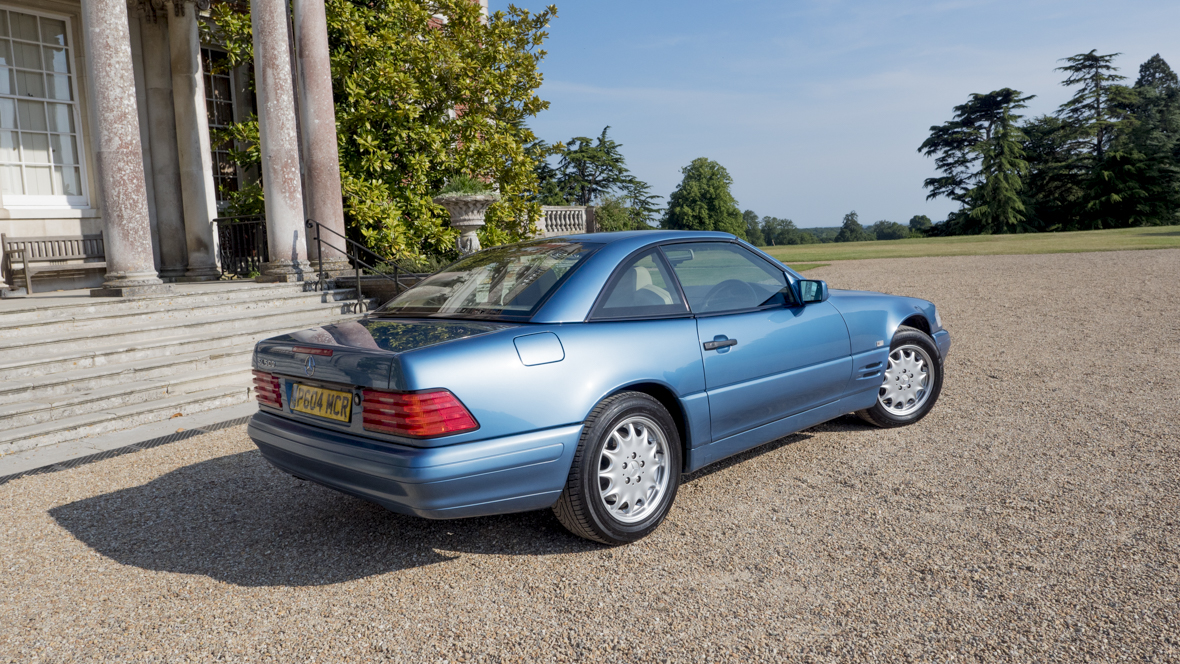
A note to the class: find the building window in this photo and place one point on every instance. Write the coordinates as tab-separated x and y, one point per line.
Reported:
219	105
40	162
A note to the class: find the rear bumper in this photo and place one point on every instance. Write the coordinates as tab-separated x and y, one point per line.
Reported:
498	476
943	339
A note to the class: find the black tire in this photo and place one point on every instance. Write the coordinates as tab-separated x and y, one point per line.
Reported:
886	417
581	507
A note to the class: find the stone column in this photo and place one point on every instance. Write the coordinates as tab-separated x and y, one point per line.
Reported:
118	156
317	108
192	141
136	12
279	143
161	121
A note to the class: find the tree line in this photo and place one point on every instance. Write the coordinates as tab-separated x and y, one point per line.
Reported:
594	172
1109	157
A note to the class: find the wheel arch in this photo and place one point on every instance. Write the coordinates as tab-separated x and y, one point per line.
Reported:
918	322
668	399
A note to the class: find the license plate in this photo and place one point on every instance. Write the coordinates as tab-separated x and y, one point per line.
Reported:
317	401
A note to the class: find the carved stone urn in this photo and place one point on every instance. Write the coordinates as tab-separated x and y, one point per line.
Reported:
467	212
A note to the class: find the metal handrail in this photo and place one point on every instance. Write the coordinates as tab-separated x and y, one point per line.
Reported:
242	251
354	257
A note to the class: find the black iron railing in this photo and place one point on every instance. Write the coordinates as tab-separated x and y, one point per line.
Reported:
376	265
242	244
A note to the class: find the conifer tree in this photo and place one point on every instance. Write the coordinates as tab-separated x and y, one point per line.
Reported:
1099	104
979	154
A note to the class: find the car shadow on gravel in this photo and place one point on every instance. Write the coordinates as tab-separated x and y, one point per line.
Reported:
847	423
238	520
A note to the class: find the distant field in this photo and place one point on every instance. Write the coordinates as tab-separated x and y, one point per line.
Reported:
803	267
1159	237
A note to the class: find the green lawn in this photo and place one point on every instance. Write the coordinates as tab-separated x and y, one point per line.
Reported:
803	267
807	256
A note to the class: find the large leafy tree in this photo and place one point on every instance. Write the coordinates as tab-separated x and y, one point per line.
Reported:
702	201
920	225
889	230
851	230
753	228
419	101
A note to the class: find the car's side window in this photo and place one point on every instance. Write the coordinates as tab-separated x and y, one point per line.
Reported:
642	288
721	276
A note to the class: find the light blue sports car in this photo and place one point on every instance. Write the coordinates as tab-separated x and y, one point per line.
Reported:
585	374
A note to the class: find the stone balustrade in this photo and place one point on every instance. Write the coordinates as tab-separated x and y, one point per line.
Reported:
565	220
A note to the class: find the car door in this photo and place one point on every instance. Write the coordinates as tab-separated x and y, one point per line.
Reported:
766	357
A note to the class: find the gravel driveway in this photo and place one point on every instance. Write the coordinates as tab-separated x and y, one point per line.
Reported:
1033	516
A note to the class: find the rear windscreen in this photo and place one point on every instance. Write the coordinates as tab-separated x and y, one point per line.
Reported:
507	282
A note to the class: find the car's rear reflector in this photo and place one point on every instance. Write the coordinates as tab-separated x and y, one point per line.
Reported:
267	389
308	350
416	414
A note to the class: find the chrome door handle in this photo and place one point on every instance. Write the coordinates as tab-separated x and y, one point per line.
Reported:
724	343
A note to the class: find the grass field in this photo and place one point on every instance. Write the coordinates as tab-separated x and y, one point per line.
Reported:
808	256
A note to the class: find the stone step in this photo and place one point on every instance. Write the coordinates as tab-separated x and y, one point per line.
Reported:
28	413
183	296
71	358
18	439
84	322
284	318
96	378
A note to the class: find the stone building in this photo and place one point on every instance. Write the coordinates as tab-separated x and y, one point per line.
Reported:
105	115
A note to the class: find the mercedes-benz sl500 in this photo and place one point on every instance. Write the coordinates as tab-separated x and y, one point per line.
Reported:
585	374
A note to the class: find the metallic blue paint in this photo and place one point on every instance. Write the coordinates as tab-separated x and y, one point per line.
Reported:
532	385
512	473
539	348
787	360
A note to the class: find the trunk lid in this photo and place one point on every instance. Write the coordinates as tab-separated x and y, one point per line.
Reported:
360	352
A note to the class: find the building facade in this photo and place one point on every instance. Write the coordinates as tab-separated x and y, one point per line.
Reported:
106	109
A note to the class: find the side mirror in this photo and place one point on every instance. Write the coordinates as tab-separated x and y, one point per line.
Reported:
813	290
677	256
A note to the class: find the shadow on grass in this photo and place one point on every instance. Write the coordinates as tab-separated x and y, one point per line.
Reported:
238	520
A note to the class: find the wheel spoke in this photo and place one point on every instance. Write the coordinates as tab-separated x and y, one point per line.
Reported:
907	380
631	469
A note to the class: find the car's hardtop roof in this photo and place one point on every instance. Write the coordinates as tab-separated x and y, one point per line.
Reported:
651	237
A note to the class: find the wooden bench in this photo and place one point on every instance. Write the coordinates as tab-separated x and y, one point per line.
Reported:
50	254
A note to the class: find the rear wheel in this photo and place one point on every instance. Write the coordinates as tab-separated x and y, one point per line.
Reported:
913	380
625	473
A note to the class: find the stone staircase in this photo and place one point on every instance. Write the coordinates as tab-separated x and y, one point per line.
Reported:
73	367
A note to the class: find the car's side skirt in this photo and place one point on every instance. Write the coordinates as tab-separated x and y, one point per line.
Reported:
707	454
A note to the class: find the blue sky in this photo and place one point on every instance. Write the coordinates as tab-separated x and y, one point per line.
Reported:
816	108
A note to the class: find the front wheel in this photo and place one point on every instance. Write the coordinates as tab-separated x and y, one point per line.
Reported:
913	380
625	473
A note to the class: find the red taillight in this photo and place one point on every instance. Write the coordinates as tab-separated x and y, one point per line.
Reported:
267	389
416	414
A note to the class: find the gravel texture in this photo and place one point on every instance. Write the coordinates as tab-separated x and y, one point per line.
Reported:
1033	516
